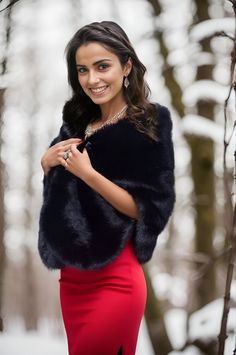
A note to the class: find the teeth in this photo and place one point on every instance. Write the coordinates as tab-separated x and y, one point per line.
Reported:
97	90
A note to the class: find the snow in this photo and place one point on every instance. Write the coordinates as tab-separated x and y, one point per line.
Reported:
205	323
201	126
191	350
32	343
172	17
205	89
181	57
175	320
208	27
17	342
170	287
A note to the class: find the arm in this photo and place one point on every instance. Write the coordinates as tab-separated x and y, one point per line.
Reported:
118	197
79	164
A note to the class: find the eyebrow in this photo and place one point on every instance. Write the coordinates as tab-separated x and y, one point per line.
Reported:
97	62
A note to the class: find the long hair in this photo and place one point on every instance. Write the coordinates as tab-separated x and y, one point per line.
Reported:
80	109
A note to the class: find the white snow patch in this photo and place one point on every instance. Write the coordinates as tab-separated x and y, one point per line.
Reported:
205	89
170	287
186	56
32	343
209	27
16	341
144	345
205	323
176	320
191	350
204	58
201	126
233	291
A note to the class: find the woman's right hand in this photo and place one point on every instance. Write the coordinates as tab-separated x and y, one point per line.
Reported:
54	155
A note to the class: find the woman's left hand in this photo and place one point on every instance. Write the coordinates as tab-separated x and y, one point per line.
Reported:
78	163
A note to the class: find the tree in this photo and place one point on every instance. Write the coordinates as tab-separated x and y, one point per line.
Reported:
202	150
4	61
202	153
2	220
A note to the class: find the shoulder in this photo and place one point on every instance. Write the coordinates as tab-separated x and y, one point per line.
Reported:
163	116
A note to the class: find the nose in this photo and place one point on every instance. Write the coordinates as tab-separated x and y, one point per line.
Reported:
93	78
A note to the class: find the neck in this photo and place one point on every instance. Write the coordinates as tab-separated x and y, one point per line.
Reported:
109	110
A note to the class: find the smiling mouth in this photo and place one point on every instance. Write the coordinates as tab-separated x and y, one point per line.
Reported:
99	91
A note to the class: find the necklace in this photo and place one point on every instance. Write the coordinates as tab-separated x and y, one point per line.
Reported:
90	130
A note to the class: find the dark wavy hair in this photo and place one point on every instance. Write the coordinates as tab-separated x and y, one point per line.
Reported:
80	109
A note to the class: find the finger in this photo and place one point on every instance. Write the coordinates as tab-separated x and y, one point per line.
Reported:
73	149
63	162
61	153
66	164
68	159
69	141
73	140
66	148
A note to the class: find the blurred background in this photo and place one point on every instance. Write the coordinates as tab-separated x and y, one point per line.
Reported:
188	60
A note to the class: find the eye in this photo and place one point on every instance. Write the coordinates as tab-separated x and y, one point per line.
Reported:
81	70
103	66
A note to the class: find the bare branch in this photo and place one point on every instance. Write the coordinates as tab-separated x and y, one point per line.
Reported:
11	3
232	253
223	34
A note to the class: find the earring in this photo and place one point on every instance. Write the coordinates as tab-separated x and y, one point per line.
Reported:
126	82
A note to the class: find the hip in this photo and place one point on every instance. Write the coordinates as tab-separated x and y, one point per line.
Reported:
125	271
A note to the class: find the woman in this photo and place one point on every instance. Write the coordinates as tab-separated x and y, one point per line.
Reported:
108	192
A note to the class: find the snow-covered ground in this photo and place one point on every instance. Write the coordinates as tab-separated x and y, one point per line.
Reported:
203	324
36	343
32	343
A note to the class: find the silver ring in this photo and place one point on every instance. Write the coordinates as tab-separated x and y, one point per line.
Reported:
66	155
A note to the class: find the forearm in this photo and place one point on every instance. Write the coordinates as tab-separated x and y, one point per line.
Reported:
118	197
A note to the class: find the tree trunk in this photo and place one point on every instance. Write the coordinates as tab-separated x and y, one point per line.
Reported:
154	312
203	175
154	315
3	69
2	219
202	164
167	70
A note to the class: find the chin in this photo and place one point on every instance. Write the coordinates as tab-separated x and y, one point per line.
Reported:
100	100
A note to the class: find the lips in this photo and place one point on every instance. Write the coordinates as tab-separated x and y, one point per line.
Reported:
98	91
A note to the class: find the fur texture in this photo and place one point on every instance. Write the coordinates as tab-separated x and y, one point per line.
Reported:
81	229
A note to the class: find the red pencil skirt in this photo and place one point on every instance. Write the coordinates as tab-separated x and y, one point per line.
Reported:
102	309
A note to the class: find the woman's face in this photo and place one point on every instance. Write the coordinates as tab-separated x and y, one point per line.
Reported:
100	73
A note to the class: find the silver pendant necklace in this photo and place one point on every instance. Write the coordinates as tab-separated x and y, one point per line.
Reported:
90	130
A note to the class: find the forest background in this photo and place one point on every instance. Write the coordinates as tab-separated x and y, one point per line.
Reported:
188	58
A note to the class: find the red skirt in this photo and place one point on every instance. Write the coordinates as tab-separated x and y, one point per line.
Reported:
102	309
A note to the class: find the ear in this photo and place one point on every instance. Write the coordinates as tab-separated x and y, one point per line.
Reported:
127	67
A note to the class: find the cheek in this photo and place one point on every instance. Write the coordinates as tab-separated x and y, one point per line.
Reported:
82	80
116	76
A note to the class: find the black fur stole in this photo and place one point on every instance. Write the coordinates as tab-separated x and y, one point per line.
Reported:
78	227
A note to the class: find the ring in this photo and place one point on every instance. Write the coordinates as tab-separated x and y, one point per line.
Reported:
66	155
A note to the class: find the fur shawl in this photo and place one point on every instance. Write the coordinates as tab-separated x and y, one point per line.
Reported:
78	227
